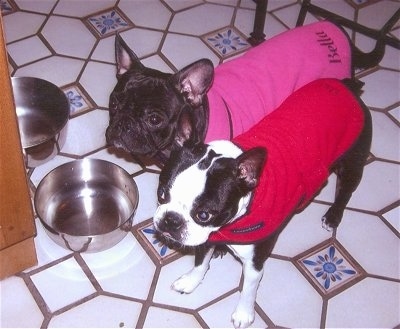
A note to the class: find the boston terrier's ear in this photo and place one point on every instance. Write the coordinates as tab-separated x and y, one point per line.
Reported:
125	58
250	166
194	80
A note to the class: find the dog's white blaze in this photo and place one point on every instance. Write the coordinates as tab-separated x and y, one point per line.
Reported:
226	148
187	186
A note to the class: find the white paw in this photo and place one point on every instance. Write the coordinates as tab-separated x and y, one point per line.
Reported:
243	318
325	225
186	283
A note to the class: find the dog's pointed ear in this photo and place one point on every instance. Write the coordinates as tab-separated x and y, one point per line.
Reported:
250	166
125	58
186	131
194	80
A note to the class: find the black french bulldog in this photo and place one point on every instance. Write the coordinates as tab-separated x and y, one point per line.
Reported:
146	104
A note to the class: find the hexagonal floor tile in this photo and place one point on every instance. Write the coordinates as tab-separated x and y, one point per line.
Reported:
147	184
117	313
143	15
21	57
78	42
142	42
303	232
388	84
81	141
56	69
379	187
192	21
98	80
385	138
127	261
224	308
217	282
367	15
194	49
67	277
162	318
371	243
119	158
372	303
287	297
17	300
76	9
14	30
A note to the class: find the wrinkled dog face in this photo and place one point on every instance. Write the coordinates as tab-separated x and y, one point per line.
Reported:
202	188
145	104
143	114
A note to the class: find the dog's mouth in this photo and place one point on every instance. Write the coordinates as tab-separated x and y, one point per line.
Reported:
127	144
168	240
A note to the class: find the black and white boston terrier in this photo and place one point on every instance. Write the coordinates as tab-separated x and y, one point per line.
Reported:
146	104
242	193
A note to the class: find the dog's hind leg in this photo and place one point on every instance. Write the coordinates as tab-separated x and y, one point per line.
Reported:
189	281
349	170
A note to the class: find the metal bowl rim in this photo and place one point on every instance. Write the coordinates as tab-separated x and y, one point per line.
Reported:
57	131
53	230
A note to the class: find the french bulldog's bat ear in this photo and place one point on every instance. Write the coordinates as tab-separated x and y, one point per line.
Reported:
185	130
250	166
194	80
125	58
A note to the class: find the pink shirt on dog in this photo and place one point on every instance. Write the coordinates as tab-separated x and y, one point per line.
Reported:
255	84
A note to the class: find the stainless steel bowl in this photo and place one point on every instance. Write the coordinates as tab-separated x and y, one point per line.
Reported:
87	205
42	111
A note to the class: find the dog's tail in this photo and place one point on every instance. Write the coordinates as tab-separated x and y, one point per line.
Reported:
354	85
363	60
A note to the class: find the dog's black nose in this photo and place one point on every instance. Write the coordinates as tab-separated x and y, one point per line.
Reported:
171	222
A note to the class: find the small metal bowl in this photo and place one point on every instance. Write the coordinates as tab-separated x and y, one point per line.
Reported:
87	205
42	111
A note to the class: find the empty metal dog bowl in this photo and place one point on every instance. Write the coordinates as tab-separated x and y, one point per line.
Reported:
42	112
87	205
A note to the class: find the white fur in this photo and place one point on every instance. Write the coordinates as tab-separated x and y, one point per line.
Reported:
187	186
244	314
189	281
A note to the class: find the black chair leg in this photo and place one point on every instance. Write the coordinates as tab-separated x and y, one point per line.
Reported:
258	36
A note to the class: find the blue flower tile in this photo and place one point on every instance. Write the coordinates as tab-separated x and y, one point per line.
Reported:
107	22
6	7
329	267
77	101
148	234
226	42
361	2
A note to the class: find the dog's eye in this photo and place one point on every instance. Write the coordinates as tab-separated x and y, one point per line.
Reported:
203	216
155	119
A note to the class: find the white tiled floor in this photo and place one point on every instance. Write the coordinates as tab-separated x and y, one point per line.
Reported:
67	43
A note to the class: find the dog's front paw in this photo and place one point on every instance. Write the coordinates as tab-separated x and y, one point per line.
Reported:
187	283
243	318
